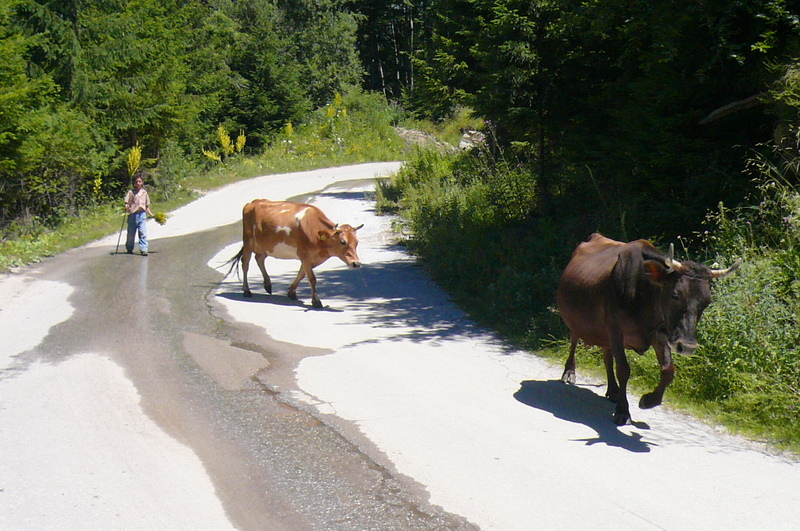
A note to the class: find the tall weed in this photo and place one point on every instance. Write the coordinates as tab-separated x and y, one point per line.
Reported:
353	128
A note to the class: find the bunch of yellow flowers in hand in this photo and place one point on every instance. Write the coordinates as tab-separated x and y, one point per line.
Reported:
160	218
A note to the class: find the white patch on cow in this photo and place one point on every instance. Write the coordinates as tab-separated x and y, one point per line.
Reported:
284	251
300	215
287	230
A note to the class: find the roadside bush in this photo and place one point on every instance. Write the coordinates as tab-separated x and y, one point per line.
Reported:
472	220
425	168
353	128
749	367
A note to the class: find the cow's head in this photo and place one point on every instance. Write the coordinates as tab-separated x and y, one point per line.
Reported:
686	294
342	242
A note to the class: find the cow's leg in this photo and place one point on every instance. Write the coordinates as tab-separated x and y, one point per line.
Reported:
306	271
612	390
260	257
569	367
622	413
667	374
293	288
246	252
312	280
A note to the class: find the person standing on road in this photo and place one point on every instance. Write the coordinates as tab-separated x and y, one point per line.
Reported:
137	205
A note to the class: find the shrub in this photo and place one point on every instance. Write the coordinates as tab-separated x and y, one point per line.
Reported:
749	367
472	219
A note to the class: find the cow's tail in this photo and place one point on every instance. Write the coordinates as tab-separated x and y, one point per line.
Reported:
234	263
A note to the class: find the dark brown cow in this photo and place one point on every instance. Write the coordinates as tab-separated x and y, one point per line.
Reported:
288	230
631	295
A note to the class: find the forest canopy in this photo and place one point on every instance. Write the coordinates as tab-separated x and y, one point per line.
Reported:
82	82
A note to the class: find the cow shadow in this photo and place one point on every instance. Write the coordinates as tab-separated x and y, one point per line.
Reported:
580	405
275	300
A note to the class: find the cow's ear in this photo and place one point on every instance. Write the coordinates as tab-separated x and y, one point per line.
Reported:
323	235
655	271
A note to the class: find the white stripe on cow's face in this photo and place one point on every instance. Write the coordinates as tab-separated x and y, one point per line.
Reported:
284	252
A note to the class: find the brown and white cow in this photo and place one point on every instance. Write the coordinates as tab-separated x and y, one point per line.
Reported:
621	296
289	230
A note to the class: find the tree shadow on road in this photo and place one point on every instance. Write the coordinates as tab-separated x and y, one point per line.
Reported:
359	195
344	191
582	406
395	296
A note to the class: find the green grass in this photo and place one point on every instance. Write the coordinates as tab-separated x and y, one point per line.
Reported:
32	247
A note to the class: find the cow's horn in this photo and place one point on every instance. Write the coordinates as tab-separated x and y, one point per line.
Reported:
670	261
356	228
719	273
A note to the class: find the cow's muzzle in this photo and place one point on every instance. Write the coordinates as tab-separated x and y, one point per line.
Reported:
355	264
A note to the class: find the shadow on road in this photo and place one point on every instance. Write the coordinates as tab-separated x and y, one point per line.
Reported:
394	296
580	405
345	196
274	299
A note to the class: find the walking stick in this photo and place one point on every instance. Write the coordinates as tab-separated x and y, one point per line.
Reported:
120	233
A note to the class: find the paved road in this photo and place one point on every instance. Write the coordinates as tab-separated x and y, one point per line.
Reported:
138	393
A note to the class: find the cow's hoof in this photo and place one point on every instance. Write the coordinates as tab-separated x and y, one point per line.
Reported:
317	304
292	295
621	418
268	289
568	377
248	293
649	400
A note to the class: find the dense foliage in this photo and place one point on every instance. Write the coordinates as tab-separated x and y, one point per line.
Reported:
82	82
613	102
640	111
